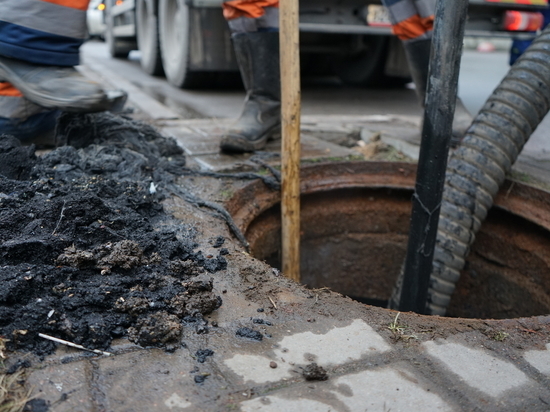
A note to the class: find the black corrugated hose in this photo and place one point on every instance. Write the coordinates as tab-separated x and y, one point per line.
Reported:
478	167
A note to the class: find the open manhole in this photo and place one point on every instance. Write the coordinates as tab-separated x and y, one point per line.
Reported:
354	229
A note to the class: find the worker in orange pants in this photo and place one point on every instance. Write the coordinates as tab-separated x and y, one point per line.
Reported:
255	34
254	25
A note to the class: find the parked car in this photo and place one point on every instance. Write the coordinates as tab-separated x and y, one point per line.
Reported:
95	18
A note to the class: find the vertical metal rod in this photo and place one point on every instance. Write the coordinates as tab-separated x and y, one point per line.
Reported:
442	86
290	151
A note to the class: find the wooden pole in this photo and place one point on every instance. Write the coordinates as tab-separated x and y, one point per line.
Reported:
290	152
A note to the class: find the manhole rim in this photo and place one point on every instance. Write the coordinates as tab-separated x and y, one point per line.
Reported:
251	200
254	198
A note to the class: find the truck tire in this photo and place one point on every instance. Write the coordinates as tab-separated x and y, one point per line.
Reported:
118	47
148	37
366	68
174	36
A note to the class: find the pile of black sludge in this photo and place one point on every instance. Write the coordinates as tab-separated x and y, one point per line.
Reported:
87	252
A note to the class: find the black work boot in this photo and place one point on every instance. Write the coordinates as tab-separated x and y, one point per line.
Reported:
258	58
418	57
56	87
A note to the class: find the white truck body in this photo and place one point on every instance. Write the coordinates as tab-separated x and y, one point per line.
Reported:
190	42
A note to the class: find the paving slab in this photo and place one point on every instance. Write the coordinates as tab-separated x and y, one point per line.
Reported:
539	359
338	346
383	389
66	387
478	368
201	141
158	381
367	368
322	138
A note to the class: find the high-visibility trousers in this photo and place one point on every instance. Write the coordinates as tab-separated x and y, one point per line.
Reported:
47	32
248	16
411	19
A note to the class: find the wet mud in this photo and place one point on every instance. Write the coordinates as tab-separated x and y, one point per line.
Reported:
88	253
314	372
248	333
202	354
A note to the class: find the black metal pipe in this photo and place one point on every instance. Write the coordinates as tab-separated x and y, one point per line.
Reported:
441	94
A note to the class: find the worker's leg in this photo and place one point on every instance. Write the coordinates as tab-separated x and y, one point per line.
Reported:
412	22
254	26
25	120
39	45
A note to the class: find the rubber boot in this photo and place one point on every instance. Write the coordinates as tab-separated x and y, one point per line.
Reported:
258	58
418	57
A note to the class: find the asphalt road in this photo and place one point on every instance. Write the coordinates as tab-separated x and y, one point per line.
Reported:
480	73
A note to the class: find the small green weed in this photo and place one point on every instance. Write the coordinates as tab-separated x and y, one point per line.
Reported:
501	336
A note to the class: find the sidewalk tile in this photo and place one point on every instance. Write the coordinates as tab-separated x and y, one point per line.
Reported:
388	389
153	380
64	387
336	347
539	359
477	368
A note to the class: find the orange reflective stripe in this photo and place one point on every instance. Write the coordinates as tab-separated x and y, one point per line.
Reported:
247	8
536	2
7	89
413	27
73	4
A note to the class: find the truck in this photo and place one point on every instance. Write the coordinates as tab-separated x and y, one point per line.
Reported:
189	41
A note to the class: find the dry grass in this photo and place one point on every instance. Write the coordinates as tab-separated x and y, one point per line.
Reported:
13	392
399	330
2	350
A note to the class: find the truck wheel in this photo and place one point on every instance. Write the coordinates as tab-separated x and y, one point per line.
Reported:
148	37
365	68
118	47
174	34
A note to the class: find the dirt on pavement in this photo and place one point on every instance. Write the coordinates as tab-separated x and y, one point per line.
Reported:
87	251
